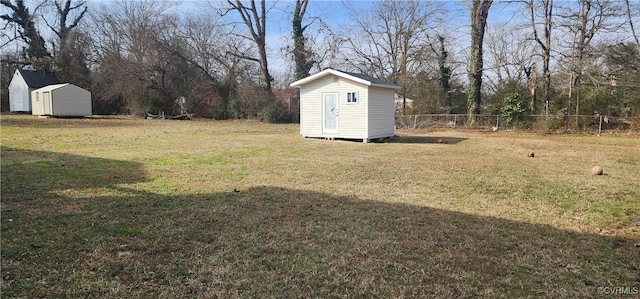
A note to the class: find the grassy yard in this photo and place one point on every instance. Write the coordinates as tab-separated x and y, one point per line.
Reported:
122	208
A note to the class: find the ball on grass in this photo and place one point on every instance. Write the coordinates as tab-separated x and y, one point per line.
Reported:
531	155
596	170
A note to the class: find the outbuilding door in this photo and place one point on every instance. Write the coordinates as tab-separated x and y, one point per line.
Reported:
46	101
330	113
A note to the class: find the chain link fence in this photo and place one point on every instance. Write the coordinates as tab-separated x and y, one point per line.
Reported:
585	123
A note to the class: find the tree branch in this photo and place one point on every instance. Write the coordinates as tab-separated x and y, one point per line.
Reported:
235	54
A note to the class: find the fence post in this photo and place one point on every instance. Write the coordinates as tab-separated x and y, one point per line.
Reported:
546	113
600	126
415	121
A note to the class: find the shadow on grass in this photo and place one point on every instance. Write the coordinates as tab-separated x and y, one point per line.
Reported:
29	174
277	242
426	139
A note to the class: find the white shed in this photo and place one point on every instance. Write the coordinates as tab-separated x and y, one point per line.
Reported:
337	104
23	83
61	100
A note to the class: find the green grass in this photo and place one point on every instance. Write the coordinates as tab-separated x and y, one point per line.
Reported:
121	208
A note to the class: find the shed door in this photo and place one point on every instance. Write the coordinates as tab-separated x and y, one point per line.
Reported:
46	101
330	113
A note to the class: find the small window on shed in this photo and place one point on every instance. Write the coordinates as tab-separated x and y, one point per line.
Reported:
352	97
37	97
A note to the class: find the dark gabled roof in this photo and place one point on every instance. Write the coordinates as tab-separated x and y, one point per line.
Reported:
37	79
373	80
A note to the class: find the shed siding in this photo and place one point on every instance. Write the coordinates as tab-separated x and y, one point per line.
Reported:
381	112
19	94
352	117
70	100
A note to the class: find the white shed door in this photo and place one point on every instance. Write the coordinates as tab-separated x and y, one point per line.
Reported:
330	113
46	98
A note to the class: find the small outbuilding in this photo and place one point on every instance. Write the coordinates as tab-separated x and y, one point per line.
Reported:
345	105
61	100
401	101
23	83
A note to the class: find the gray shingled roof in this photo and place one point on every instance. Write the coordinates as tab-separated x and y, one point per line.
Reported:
37	79
373	80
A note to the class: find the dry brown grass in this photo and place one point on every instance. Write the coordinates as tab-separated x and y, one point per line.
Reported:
137	208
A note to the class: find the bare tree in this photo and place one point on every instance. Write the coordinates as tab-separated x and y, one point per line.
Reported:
64	10
590	18
70	64
255	18
327	45
479	14
544	43
300	53
131	65
392	42
630	19
434	85
27	31
508	55
201	43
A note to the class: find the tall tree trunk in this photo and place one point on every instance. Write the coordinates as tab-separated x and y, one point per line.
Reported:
584	38
633	30
403	71
300	53
70	64
533	89
479	14
546	56
264	67
445	75
256	21
64	12
545	45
